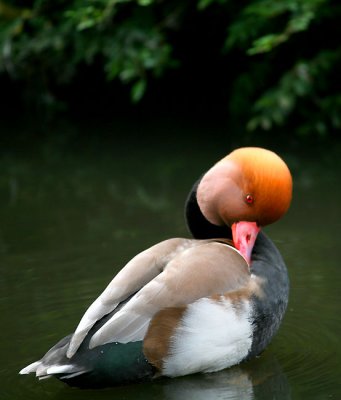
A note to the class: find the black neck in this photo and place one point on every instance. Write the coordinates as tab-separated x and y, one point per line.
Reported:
197	224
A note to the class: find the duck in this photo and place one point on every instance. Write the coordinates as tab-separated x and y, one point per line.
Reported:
190	305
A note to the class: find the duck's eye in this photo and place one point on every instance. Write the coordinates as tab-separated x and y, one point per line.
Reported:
249	199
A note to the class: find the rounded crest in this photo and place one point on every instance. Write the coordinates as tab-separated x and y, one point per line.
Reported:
264	178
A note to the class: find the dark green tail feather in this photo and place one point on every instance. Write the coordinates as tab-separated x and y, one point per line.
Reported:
111	364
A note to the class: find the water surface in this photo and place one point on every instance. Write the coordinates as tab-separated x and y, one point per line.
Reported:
76	206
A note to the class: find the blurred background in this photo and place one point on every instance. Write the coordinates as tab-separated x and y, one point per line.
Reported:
261	65
109	111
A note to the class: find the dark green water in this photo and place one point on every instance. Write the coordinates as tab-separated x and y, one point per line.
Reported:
75	208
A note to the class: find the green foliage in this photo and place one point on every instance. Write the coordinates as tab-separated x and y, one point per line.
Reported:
302	82
305	88
261	16
48	43
288	49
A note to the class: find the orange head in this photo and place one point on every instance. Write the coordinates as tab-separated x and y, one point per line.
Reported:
251	185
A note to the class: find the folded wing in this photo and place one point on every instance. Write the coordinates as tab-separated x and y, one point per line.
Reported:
138	272
197	269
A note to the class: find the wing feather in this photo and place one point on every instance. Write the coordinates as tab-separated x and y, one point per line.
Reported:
137	273
209	268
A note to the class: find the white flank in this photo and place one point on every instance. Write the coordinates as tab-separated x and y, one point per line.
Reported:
211	336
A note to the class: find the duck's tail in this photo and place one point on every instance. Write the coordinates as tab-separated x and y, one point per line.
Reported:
108	365
55	363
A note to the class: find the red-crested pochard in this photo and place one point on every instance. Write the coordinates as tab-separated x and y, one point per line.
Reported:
190	305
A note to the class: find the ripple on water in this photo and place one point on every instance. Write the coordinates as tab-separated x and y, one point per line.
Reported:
307	346
311	354
307	352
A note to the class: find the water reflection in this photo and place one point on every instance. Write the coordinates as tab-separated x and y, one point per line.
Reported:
259	380
262	379
230	386
71	217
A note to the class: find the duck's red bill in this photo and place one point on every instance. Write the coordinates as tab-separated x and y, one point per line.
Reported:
244	235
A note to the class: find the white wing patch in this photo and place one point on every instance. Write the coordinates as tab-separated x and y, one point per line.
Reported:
30	368
212	335
130	324
97	310
140	270
60	369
